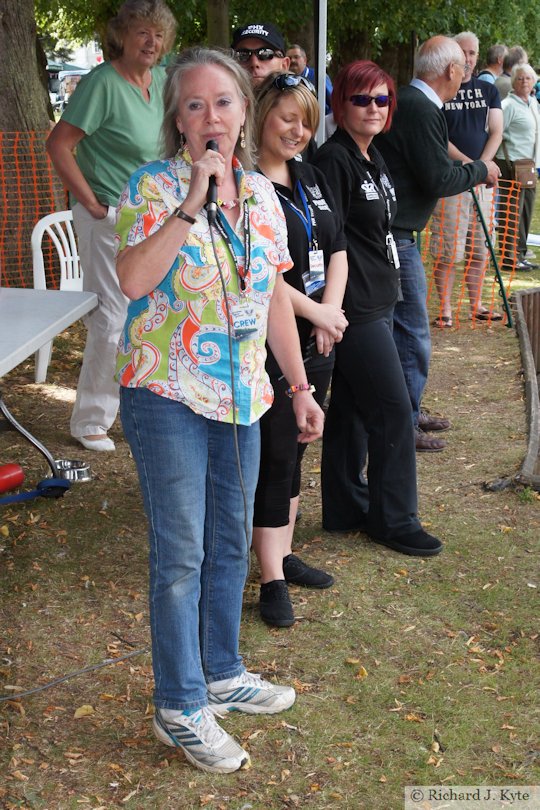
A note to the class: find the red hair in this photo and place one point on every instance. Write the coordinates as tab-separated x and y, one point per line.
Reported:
361	77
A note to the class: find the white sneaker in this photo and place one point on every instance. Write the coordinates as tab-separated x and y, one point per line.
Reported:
249	693
204	743
104	445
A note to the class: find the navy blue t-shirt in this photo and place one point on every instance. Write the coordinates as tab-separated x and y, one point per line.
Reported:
467	116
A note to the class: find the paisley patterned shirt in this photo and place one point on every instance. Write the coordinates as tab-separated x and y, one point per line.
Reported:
175	339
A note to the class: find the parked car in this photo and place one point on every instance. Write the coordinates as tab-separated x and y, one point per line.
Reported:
62	83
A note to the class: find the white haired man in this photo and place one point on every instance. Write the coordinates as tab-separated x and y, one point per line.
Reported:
475	124
415	150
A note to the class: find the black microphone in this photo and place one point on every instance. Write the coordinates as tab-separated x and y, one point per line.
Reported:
211	197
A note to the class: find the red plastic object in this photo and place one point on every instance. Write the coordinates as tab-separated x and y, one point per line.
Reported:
11	477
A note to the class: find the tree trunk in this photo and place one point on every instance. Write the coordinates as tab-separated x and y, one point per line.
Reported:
24	102
397	60
351	46
29	188
217	20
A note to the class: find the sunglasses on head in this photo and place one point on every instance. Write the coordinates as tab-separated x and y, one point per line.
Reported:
283	81
262	54
364	100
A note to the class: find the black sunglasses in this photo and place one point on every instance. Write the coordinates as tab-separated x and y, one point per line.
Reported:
262	54
364	100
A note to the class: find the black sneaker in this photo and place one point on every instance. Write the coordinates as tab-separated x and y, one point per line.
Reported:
298	573
275	604
417	544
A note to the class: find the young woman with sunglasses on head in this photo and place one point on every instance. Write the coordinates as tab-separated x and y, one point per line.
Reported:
370	409
287	116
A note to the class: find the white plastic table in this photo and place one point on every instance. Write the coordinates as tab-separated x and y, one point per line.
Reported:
29	319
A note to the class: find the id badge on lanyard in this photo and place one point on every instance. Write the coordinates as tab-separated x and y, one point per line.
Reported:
314	279
244	320
391	251
243	315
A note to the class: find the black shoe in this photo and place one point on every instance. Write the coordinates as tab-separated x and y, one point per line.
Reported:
298	573
275	604
417	544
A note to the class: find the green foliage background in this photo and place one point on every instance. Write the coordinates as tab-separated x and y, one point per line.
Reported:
355	27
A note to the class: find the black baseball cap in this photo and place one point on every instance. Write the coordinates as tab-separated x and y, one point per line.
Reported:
266	32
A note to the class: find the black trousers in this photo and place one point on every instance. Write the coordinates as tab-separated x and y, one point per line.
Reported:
370	416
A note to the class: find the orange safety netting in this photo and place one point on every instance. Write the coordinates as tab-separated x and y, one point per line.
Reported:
29	189
459	265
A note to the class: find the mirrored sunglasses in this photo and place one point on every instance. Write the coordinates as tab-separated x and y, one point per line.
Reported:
285	80
364	100
262	54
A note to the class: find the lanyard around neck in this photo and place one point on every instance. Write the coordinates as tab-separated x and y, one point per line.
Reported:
306	217
385	196
224	227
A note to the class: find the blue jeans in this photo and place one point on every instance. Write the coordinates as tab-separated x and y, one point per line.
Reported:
198	546
411	323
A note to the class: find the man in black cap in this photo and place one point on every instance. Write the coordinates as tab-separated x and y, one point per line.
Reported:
260	49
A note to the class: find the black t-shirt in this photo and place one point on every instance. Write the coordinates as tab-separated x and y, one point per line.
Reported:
328	232
365	197
467	116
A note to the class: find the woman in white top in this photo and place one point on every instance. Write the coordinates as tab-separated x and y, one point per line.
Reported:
521	126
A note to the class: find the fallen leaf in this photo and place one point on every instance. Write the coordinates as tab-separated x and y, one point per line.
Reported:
83	711
22	777
361	674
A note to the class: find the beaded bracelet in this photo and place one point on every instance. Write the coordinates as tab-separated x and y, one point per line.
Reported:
302	387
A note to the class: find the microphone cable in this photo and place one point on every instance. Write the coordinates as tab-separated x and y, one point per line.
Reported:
212	217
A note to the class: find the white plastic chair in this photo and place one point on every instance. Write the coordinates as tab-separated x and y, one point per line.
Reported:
59	229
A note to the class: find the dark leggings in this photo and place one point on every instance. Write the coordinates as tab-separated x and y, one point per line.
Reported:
281	453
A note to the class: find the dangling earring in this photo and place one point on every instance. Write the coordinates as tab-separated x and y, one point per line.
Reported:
242	137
